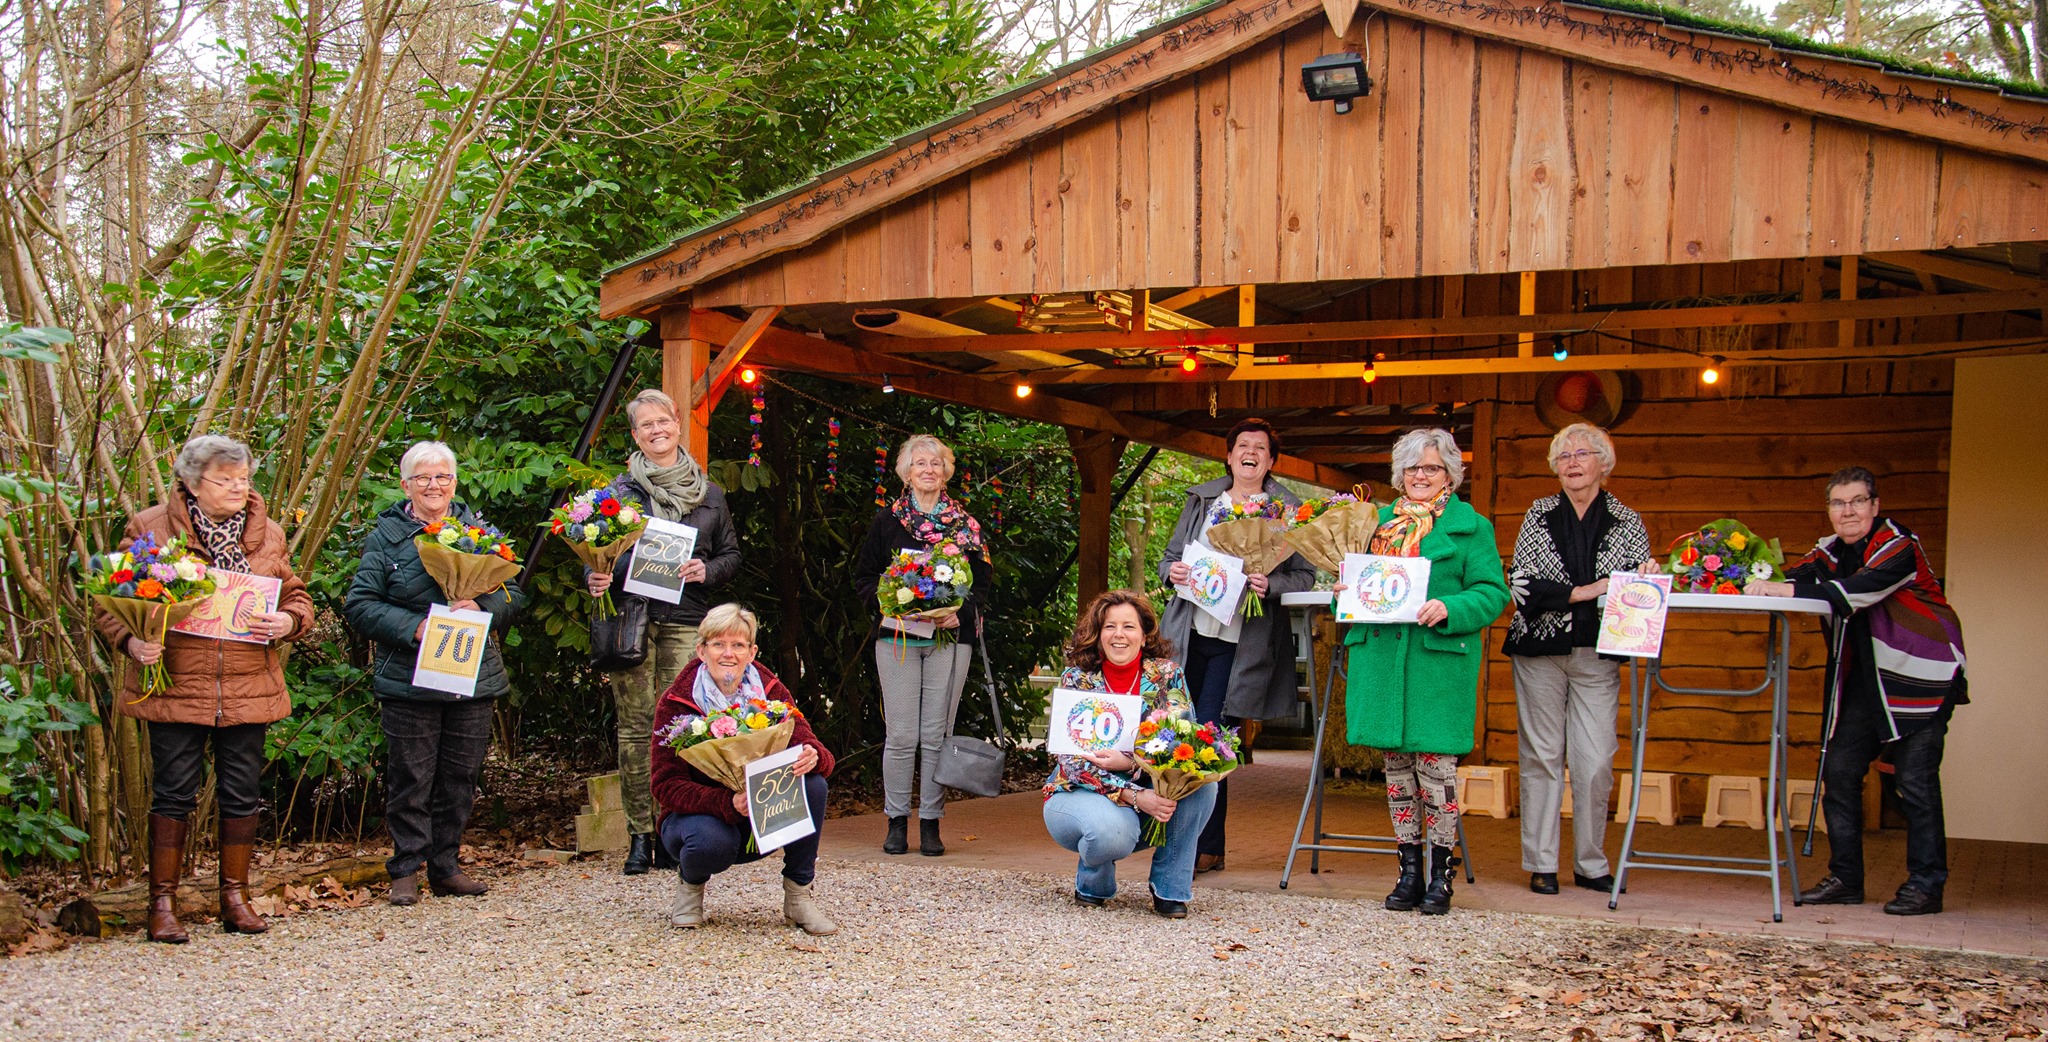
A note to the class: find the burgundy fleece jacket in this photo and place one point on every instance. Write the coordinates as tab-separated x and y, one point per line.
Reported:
682	789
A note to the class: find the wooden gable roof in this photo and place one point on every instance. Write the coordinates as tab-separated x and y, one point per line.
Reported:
1499	137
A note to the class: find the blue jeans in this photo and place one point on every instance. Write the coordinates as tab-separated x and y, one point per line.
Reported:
704	845
1208	673
1104	833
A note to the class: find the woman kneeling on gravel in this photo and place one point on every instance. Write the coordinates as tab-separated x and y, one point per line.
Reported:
703	825
1094	804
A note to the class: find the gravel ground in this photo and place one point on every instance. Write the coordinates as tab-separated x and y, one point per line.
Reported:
925	950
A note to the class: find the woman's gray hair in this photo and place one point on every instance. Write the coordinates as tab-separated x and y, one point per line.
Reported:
1408	453
1587	436
921	443
649	397
421	452
210	450
728	618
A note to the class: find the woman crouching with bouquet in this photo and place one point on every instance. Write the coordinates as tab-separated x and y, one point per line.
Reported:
703	824
1094	803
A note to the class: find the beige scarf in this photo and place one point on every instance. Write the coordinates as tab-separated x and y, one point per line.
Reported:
675	490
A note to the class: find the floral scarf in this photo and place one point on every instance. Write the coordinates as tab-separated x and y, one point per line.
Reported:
221	539
952	521
1401	535
709	699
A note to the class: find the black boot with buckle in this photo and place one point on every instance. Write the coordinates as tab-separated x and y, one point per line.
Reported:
1408	888
1441	868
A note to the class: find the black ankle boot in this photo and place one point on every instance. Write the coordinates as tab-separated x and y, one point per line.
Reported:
1441	865
1407	889
928	837
899	836
639	854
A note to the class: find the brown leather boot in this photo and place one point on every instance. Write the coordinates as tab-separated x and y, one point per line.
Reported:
166	866
237	845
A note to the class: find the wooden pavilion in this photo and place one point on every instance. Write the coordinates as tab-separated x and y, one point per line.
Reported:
1529	190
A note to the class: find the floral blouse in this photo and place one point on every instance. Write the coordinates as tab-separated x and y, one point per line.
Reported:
1161	685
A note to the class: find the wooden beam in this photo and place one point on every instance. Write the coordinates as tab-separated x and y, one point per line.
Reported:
683	361
1247	315
787	349
711	386
1525	344
1845	330
1959	270
1096	456
939	153
1837	88
1480	325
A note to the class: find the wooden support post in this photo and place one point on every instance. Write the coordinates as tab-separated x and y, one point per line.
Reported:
1845	332
1096	455
684	361
1141	310
1247	315
1525	344
1812	290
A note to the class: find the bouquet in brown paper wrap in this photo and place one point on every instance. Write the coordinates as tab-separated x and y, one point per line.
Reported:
723	743
1324	530
1181	755
466	561
599	527
150	588
1256	532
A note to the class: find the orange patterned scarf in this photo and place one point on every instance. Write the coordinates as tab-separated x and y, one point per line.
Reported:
1401	535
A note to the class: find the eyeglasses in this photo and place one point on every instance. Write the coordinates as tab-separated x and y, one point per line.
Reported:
230	484
1844	505
1575	456
432	479
720	647
1427	470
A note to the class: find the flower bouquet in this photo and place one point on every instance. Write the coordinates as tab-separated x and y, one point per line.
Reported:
925	585
599	526
1254	531
467	561
149	588
1721	557
1181	755
1324	530
723	743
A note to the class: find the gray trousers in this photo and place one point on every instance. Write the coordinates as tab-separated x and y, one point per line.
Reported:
920	692
1565	706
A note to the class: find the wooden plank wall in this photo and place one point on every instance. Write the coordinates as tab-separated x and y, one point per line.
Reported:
1469	157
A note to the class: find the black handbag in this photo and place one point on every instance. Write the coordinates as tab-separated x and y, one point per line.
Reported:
972	764
620	642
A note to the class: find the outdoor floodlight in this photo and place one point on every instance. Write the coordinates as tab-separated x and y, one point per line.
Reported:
1336	77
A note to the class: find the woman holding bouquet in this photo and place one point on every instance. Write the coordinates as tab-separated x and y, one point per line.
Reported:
921	677
437	740
1413	686
1243	670
223	693
1566	694
668	484
703	824
1093	803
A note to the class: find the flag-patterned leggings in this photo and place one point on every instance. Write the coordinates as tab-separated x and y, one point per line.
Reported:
1435	777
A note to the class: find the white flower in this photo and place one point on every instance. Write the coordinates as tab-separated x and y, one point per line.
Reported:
942	574
589	533
1158	745
904	595
188	569
628	515
1760	570
698	726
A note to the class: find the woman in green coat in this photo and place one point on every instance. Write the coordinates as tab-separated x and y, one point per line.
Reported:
1413	687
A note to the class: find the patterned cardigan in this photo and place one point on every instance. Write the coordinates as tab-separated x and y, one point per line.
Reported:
1161	685
1543	610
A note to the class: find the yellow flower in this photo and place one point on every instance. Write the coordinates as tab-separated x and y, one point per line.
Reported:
1208	755
1736	540
757	721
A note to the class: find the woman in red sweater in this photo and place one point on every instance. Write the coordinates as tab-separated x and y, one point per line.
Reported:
703	824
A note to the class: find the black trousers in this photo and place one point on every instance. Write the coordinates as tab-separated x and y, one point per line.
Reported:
178	753
1208	674
1858	740
436	757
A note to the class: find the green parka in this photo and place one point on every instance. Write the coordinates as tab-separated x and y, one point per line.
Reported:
390	597
1414	689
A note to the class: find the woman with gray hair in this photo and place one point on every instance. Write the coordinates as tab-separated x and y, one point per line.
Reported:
921	678
668	484
437	740
1414	686
1566	694
225	692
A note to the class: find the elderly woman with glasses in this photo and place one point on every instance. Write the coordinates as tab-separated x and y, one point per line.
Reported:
668	484
703	824
224	693
1414	686
1567	694
437	740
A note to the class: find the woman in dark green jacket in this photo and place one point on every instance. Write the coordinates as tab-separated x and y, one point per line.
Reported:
1413	686
437	740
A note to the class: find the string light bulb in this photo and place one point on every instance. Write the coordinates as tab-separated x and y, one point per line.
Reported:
1371	373
1023	390
1190	361
748	376
887	387
1710	375
1557	349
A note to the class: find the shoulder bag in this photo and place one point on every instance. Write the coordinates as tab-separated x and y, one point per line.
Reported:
972	764
620	642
